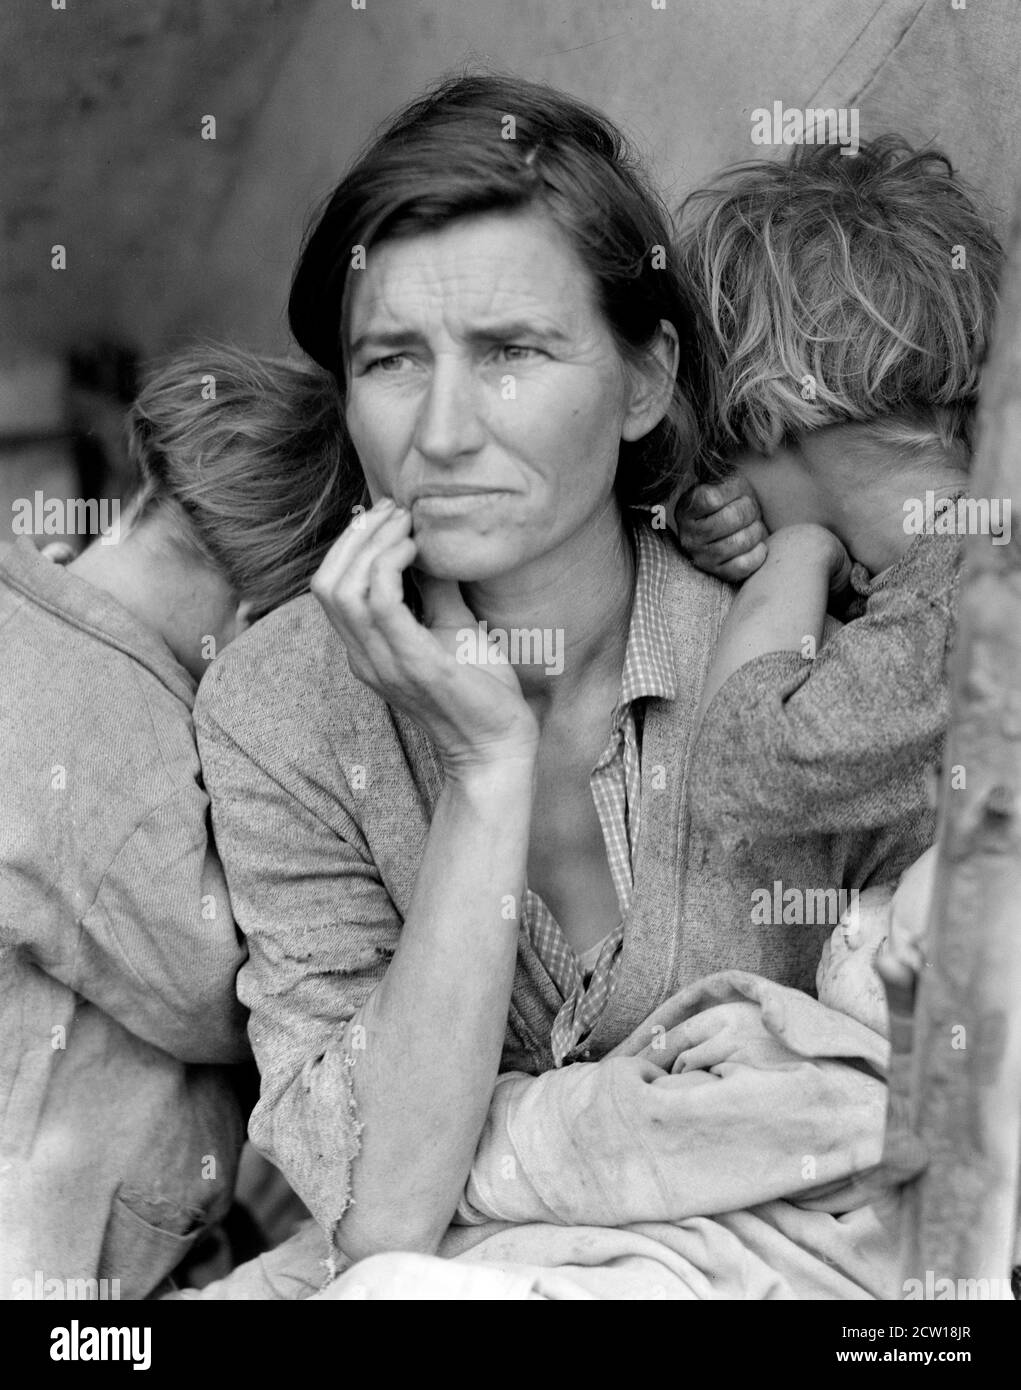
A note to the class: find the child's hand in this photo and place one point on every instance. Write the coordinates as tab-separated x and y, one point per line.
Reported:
806	537
720	528
840	574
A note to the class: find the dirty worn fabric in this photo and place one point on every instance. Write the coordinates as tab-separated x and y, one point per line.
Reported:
120	1125
719	1152
734	1093
322	797
791	747
772	1252
725	1150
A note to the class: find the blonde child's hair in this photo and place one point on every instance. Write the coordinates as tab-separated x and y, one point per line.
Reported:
832	289
250	459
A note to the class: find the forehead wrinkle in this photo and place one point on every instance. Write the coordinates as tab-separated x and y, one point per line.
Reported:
469	290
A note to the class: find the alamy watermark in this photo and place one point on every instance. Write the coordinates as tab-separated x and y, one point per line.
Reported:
66	1290
803	907
961	1290
810	125
53	516
78	1343
958	516
520	646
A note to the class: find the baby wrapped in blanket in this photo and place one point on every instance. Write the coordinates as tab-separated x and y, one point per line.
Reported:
728	1149
876	950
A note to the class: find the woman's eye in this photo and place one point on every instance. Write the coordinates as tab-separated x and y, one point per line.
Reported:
394	363
518	352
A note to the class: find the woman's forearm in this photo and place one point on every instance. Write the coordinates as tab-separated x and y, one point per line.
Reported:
435	1025
780	606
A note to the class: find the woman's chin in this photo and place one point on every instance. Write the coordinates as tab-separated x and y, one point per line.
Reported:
463	558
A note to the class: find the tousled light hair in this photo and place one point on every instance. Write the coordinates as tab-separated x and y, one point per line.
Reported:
259	481
448	156
839	268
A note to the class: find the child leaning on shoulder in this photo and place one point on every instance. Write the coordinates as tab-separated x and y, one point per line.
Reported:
120	1031
843	332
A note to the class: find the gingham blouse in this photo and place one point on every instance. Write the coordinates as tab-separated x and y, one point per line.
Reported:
616	784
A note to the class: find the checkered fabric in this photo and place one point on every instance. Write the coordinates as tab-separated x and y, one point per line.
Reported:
616	791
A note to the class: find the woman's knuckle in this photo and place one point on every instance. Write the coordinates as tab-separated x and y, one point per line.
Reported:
378	602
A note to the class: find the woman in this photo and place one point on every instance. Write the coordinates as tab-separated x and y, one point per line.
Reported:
473	866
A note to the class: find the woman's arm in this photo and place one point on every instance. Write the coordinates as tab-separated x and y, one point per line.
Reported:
372	1100
782	607
434	1028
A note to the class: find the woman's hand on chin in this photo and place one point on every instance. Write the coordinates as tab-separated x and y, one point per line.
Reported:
446	675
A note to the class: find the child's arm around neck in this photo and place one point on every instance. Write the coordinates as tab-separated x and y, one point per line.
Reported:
782	607
865	482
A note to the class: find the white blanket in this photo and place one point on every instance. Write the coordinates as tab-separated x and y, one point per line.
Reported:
728	1149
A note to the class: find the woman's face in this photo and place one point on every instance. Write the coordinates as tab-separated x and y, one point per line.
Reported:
485	391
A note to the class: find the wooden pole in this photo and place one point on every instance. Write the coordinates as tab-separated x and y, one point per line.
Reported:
960	1216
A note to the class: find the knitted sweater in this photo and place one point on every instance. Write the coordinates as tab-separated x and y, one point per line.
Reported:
851	739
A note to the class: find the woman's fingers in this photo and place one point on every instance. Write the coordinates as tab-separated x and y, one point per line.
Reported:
360	588
471	706
392	531
342	581
443	603
379	575
356	536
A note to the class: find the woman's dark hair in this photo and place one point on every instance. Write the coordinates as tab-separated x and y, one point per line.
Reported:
489	144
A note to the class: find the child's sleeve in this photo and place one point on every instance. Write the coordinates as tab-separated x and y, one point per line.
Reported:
158	949
843	742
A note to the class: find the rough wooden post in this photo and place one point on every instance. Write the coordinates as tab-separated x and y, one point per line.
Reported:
960	1215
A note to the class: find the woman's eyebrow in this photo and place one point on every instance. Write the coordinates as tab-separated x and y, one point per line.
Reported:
385	338
504	330
499	331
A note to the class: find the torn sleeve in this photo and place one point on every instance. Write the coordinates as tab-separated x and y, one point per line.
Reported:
321	929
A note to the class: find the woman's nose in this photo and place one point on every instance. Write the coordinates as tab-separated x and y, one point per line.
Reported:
449	424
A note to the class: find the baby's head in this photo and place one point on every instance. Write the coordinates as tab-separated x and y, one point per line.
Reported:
837	290
846	979
878	943
244	468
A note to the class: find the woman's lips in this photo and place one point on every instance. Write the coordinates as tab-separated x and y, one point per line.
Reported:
454	504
